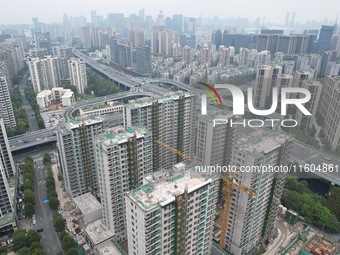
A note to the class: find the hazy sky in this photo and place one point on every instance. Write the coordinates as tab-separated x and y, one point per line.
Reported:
21	11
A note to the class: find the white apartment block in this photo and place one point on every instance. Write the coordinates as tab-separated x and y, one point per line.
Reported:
6	206
172	213
330	110
315	88
252	220
266	79
78	78
76	144
6	108
44	73
46	97
5	152
124	158
169	118
213	144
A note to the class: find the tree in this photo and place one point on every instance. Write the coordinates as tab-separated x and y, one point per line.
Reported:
33	236
28	184
29	209
58	222
24	251
29	196
72	251
39	251
54	203
19	239
3	250
47	158
333	201
67	243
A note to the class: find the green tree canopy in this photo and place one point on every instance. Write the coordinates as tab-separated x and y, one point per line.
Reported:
33	236
19	239
68	243
54	203
72	251
333	201
29	196
29	209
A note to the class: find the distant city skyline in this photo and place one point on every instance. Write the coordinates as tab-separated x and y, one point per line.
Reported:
21	12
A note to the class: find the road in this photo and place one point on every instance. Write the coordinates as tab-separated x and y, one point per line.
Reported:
25	105
304	154
49	238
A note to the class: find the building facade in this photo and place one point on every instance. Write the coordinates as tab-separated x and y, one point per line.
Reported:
78	78
315	88
76	144
172	213
8	166
169	118
44	73
329	108
6	108
251	220
124	157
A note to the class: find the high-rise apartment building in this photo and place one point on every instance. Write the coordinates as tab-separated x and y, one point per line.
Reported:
169	118
213	143
251	220
76	144
85	38
172	213
124	158
266	79
63	54
315	88
224	56
329	108
6	108
205	55
186	54
283	81
6	158
300	77
6	206
263	58
326	58
44	73
77	70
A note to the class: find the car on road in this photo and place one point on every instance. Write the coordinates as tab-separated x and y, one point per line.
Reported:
34	222
40	230
327	158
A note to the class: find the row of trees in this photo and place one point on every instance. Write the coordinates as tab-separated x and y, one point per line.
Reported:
99	86
52	195
298	197
27	242
31	98
28	172
67	242
20	115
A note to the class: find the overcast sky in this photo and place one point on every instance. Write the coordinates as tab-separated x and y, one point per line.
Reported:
21	11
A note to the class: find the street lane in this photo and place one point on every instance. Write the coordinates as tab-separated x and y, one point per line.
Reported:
49	238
